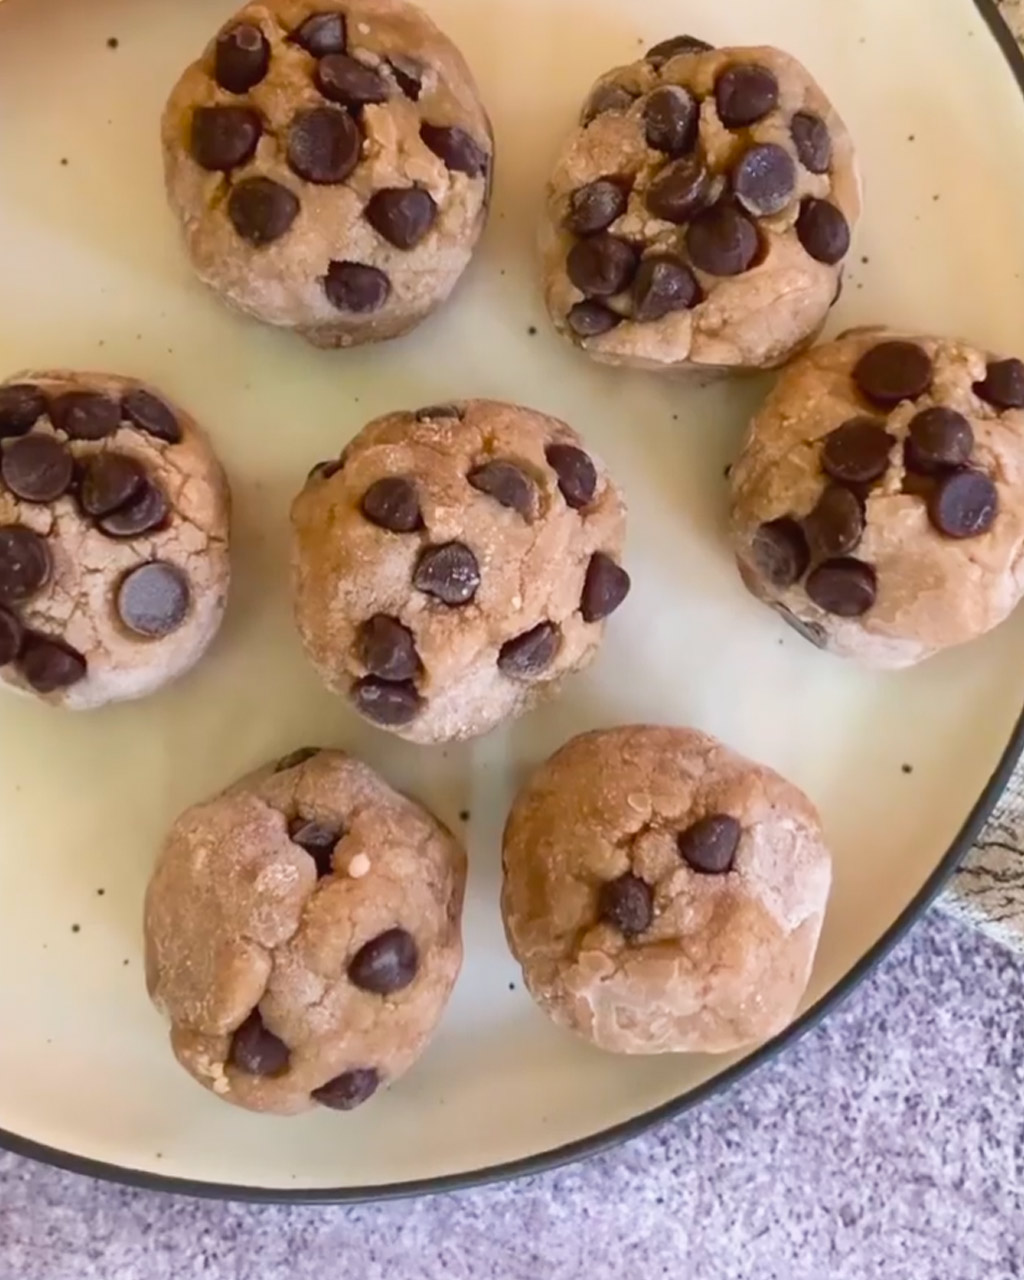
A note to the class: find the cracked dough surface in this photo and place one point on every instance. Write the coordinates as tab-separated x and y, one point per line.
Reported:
236	918
78	602
727	956
282	282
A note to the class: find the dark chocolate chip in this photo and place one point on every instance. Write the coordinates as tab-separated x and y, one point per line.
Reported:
857	452
964	504
386	702
845	587
408	75
294	758
146	511
223	138
153	600
531	653
392	503
349	1090
780	552
25	564
439	412
605	98
257	1051
663	284
12	633
1003	384
675	46
385	964
150	414
109	481
49	664
318	841
722	241
627	904
812	141
459	150
355	287
892	372
85	415
241	58
449	572
836	525
709	846
939	438
577	475
823	231
602	265
324	145
261	210
604	588
590	319
350	83
596	206
764	179
21	407
37	468
745	94
321	34
680	190
402	215
387	649
508	484
671	120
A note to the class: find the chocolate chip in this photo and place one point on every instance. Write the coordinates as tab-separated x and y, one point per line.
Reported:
604	588
295	758
893	371
836	525
764	179
349	1090
602	265
402	215
857	452
153	600
664	284
318	841
508	484
109	481
392	503
12	633
387	649
241	58
964	504
450	573
146	511
671	120
722	241
261	210
385	964
591	319
673	48
531	653
605	98
21	407
408	75
257	1051
321	34
780	552
37	468
845	587
49	664
223	138
812	141
823	231
709	846
24	564
680	190
938	438
460	152
350	83
627	904
355	287
386	702
148	413
745	94
85	415
324	145
596	206
1003	385
577	475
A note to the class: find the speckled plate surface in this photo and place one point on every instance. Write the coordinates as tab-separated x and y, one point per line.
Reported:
93	276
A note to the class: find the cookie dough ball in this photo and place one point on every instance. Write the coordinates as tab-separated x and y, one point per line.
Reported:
331	166
303	934
113	539
699	216
455	565
878	503
662	893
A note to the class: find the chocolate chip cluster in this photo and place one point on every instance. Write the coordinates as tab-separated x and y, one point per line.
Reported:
50	449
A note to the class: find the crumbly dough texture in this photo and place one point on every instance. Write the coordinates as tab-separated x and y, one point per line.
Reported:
283	282
236	919
77	605
754	320
727	957
933	591
532	571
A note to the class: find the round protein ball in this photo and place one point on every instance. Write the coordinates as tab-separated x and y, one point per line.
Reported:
878	503
662	893
455	565
114	514
303	934
331	166
699	216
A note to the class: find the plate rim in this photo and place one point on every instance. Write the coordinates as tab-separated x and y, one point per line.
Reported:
604	1139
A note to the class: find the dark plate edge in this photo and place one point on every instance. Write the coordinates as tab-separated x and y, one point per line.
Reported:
606	1138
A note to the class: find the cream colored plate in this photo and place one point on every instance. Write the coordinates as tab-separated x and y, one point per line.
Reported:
91	275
